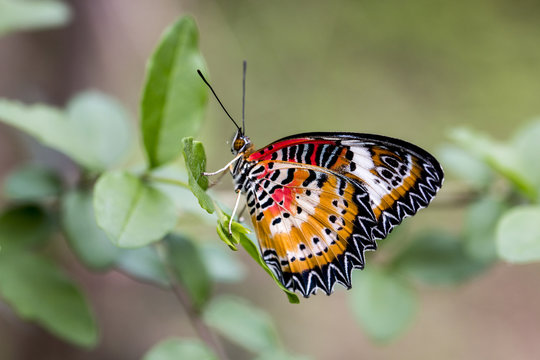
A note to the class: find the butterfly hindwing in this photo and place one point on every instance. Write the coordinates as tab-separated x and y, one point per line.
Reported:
313	225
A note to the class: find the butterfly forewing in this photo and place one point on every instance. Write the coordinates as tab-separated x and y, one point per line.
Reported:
318	201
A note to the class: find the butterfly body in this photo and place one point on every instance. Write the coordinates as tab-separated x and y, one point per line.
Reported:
318	201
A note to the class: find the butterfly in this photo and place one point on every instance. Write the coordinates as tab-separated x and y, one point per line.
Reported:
318	201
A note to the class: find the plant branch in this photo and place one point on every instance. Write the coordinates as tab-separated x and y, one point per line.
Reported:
192	312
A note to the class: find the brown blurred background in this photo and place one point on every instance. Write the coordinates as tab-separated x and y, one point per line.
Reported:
410	69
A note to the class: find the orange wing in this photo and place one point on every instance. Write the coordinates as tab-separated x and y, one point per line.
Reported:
313	225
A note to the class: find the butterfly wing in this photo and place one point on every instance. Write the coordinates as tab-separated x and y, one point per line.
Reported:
318	201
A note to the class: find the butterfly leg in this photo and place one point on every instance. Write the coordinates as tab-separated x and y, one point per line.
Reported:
234	211
225	168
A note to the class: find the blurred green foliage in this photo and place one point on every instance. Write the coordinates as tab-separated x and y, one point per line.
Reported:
16	15
111	208
186	349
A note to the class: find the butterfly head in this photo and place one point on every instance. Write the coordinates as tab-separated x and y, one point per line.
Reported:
240	143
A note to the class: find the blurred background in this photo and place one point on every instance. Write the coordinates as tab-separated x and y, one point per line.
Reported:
412	70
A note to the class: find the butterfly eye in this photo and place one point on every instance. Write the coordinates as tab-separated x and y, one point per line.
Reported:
239	144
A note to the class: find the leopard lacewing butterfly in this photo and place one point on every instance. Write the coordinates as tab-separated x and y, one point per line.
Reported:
318	201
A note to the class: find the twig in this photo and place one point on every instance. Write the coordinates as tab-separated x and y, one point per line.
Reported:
169	181
194	315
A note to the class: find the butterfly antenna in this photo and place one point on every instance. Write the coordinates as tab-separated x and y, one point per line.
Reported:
244	98
219	101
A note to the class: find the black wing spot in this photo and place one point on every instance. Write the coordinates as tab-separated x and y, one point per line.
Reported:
332	218
275	175
302	247
387	174
276	221
308	192
391	161
352	166
321	180
286	215
289	178
311	177
298	209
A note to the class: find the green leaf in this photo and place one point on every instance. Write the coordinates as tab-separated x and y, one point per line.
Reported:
239	236
383	304
501	157
131	212
518	235
180	349
467	167
186	263
479	229
102	125
195	159
223	231
87	240
174	97
143	264
32	182
242	324
24	226
16	15
437	258
93	130
39	291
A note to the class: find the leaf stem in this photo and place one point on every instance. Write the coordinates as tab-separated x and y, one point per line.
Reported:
169	181
194	315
